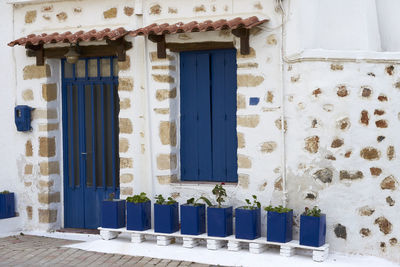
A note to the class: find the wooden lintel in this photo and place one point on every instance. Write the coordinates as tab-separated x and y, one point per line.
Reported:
84	51
121	46
243	34
161	46
181	47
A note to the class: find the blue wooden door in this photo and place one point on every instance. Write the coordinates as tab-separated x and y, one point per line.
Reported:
90	139
208	115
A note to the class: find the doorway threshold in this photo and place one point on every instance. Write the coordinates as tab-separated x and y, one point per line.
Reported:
79	231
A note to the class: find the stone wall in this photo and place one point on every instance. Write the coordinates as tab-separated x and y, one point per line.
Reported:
342	150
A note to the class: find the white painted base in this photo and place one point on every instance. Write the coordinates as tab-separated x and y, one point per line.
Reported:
165	240
257	248
137	238
234	245
320	255
108	235
190	242
287	251
215	244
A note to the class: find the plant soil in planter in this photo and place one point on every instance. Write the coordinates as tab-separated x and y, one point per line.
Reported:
138	216
279	226
312	230
166	218
193	219
248	223
7	205
219	221
113	213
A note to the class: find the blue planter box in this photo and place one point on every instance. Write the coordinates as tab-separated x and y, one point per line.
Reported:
166	218
219	221
280	226
7	205
312	230
193	219
113	213
248	223
138	216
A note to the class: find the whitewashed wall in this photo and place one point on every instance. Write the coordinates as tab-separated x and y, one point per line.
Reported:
320	170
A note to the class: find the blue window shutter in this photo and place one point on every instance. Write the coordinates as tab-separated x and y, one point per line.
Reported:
224	139
204	116
230	114
208	116
218	116
189	147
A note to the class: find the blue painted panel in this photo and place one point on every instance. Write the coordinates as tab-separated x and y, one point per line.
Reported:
189	146
166	218
247	223
193	219
254	101
82	196
312	230
219	221
230	115
138	216
203	104
208	115
218	116
279	226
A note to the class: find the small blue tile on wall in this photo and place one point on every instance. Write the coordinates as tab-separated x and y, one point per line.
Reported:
254	101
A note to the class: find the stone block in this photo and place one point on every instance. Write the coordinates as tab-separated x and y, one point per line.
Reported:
123	145
125	126
28	148
47	216
125	163
124	65
49	92
28	169
36	72
163	94
166	162
44	114
47	146
244	161
249	80
30	16
47	198
125	84
167	133
126	178
49	167
162	78
110	13
167	179
250	121
47	127
27	95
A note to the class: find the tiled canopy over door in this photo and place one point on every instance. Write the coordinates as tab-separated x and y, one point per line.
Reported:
208	115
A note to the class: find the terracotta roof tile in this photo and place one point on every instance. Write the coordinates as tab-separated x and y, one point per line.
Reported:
69	37
194	26
157	29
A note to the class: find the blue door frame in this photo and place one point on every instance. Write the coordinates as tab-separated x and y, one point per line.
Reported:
90	107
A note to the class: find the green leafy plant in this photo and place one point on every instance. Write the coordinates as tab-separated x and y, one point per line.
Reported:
141	198
252	206
314	212
279	209
5	192
161	200
193	201
219	192
111	196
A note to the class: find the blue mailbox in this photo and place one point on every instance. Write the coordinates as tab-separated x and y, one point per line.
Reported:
23	118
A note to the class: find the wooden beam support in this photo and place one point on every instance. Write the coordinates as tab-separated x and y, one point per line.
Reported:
244	35
161	46
118	50
181	47
121	46
38	52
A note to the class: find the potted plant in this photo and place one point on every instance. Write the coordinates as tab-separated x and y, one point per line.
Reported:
279	224
138	212
7	204
166	215
219	218
312	227
193	216
113	212
248	220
